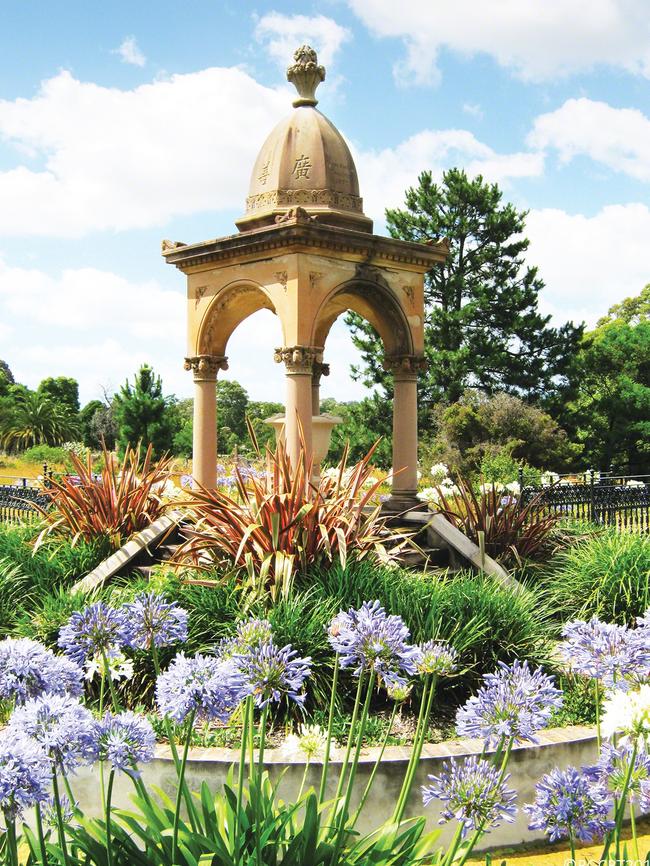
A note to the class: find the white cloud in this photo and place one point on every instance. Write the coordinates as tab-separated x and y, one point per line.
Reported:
130	52
535	40
124	159
473	109
282	34
589	263
385	175
617	137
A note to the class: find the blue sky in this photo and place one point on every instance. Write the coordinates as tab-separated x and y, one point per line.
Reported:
125	123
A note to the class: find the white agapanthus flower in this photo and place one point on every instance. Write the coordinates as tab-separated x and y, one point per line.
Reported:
514	488
119	667
311	740
429	494
549	478
439	472
487	486
627	713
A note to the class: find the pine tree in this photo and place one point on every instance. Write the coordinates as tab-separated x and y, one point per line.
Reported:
142	413
483	328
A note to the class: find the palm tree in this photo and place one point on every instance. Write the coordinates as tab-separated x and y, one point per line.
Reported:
37	420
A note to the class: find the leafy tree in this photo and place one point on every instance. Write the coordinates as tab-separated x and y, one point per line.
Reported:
364	422
142	413
610	414
62	389
232	403
6	378
85	420
630	310
37	420
483	328
480	430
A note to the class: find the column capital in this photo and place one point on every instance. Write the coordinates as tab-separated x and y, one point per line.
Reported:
298	359
206	367
405	366
319	369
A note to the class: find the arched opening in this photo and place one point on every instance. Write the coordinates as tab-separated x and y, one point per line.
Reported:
229	308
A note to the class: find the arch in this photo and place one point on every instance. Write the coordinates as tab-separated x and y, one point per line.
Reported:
229	307
374	300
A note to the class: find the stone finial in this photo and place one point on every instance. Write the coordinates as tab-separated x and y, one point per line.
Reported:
305	74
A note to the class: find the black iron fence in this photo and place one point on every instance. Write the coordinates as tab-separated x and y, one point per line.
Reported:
19	496
619	501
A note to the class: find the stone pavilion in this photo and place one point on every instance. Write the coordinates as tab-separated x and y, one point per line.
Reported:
305	250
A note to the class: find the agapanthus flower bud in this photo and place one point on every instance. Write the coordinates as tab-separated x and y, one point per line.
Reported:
155	622
208	687
28	669
369	639
436	657
567	803
124	741
60	725
473	793
311	740
95	630
250	633
25	773
513	702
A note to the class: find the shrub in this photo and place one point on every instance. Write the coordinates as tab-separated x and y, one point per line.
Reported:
124	498
45	454
604	575
279	523
510	529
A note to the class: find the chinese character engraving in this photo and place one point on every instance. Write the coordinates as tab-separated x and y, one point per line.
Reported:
264	174
302	166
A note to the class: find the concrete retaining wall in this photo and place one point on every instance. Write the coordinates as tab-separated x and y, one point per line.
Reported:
557	747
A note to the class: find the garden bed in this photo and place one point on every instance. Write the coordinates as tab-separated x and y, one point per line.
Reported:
557	747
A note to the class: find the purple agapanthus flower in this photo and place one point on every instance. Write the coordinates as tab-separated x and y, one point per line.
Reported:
124	741
513	702
25	773
209	687
60	725
155	622
607	652
567	803
612	768
271	673
250	633
96	630
370	639
436	657
28	669
473	793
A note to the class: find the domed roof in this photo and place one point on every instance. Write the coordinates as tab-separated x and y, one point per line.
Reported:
305	163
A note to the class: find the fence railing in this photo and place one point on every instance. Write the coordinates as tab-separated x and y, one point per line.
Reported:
619	501
19	495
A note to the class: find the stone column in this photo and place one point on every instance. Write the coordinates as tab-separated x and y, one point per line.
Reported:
204	438
319	369
298	362
405	431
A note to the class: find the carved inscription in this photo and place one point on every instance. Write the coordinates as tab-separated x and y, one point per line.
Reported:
302	167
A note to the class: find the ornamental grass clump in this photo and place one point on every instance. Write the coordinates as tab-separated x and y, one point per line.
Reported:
278	523
123	498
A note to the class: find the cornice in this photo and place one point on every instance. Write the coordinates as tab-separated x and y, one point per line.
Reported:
300	235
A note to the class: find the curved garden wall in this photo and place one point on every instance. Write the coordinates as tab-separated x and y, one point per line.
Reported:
557	747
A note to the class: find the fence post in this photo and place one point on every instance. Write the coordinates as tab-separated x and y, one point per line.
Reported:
592	509
520	474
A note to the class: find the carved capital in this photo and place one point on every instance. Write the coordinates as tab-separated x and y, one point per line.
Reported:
206	367
405	366
298	359
319	369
